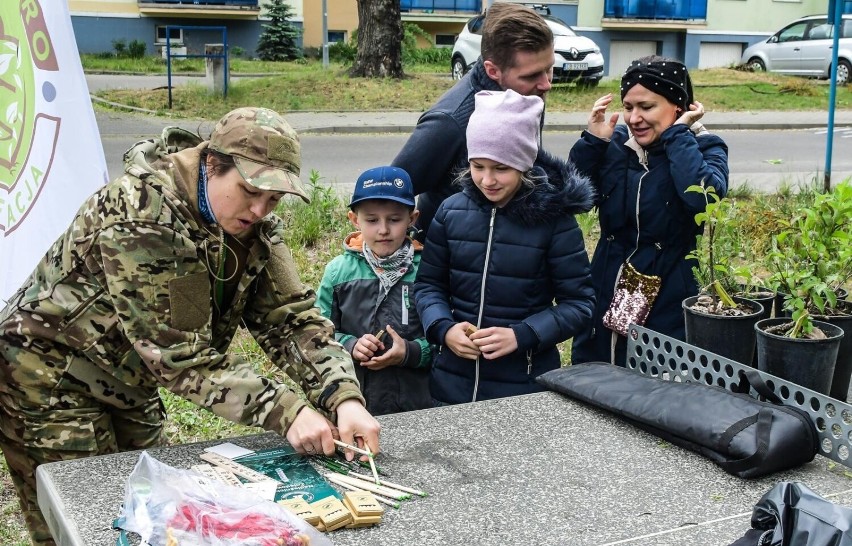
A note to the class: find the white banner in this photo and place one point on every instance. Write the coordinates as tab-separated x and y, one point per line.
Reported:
51	157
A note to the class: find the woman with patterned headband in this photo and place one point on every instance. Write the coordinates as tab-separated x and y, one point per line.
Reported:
641	170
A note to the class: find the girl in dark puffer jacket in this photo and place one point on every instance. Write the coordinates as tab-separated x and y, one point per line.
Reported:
506	258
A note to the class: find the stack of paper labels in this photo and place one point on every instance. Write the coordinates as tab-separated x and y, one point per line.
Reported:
365	509
303	509
333	514
358	509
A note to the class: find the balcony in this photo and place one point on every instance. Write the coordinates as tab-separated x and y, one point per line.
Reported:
434	6
251	3
656	10
234	9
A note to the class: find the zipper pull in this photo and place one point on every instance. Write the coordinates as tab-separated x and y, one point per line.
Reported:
529	362
406	304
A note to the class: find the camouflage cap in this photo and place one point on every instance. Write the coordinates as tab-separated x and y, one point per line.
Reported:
265	149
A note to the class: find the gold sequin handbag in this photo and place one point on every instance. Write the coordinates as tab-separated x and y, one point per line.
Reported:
631	303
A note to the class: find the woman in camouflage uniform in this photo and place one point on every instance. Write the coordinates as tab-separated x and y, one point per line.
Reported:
146	289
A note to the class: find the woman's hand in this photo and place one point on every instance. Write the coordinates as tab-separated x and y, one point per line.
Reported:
392	357
311	433
599	125
695	112
458	342
495	341
357	427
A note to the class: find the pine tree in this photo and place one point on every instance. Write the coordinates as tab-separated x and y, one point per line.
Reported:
278	40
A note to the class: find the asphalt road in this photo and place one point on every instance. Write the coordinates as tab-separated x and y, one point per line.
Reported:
762	159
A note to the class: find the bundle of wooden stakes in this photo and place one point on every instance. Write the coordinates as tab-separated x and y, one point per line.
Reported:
383	490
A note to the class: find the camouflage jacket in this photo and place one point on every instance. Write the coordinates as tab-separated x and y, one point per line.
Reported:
128	293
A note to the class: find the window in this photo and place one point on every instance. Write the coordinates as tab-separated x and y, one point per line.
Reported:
475	24
820	31
445	40
176	35
793	33
336	36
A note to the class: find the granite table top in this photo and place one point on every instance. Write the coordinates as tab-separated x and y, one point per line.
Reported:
538	469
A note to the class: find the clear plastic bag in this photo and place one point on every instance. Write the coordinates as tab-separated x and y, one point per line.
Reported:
167	506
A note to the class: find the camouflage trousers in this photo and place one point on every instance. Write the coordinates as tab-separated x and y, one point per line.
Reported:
79	425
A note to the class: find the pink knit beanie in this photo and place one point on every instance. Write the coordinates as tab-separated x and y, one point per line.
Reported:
505	128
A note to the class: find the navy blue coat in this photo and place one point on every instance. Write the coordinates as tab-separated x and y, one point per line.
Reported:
522	266
666	218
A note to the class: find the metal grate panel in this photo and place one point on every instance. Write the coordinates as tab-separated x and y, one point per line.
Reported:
656	355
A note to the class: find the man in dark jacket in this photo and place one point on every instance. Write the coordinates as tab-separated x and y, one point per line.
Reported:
517	53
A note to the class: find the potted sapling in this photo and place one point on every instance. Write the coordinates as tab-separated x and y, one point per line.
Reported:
715	320
811	259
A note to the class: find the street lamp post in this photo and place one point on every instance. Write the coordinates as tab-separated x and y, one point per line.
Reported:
325	33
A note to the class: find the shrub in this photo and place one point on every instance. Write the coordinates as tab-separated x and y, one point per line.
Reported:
119	45
342	52
136	49
413	54
310	223
428	55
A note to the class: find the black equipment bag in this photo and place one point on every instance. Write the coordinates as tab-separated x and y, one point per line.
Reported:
790	514
747	437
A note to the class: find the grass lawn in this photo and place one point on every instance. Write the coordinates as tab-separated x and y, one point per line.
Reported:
307	86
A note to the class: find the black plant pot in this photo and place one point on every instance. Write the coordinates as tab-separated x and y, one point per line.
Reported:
778	307
805	362
731	337
766	298
843	365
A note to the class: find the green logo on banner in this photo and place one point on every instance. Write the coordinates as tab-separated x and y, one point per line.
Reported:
25	47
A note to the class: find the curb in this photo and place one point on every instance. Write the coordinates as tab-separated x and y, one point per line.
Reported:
561	128
723	126
360	129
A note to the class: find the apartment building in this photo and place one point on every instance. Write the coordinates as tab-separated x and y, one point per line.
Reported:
704	33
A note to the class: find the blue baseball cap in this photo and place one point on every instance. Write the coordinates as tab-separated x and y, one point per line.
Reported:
384	183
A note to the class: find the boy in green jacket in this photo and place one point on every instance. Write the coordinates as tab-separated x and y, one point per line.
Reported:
366	292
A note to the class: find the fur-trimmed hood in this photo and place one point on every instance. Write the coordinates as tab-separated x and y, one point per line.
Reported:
559	190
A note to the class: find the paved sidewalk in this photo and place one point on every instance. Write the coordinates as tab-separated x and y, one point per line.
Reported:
354	122
404	121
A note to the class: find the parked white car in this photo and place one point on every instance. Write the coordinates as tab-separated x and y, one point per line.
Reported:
804	48
577	58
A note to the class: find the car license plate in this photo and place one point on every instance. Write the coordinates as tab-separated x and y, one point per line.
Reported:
575	66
